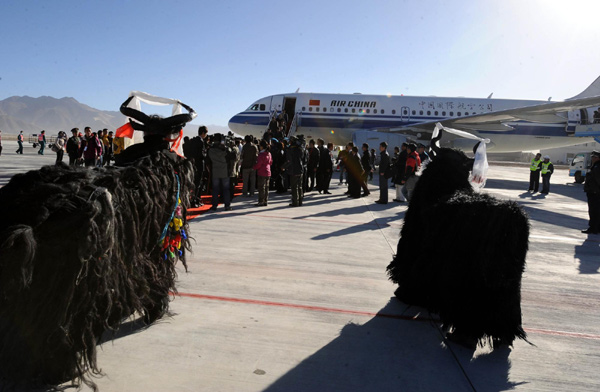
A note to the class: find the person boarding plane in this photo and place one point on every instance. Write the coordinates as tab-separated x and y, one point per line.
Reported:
511	125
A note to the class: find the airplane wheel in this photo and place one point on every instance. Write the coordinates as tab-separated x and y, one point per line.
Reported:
579	178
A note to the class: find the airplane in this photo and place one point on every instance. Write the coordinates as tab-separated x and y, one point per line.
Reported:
511	125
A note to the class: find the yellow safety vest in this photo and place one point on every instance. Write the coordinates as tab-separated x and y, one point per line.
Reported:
534	164
545	167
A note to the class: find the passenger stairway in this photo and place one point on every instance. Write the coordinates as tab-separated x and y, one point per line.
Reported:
295	125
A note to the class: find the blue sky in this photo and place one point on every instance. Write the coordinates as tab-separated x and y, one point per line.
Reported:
220	56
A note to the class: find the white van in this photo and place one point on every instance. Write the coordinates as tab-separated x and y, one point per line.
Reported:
580	166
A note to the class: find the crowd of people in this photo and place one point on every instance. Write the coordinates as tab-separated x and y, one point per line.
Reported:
268	164
291	164
89	149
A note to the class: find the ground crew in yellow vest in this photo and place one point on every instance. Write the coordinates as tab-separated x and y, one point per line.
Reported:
534	175
547	170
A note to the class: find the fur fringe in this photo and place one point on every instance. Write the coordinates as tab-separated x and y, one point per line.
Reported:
80	253
462	254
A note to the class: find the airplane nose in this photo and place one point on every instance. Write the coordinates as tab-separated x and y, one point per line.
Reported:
234	123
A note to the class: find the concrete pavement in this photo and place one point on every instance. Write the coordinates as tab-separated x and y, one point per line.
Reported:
297	299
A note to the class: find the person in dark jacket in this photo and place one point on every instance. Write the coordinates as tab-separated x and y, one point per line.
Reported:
325	168
219	167
278	156
311	167
197	152
592	190
249	159
294	166
355	173
399	173
73	147
365	160
384	166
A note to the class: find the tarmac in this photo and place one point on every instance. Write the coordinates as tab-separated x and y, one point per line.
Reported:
281	299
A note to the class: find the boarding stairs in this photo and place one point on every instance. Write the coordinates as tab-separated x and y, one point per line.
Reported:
295	125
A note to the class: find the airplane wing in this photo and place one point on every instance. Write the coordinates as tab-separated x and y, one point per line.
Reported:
497	121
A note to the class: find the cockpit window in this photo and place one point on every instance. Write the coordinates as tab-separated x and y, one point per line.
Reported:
253	107
262	106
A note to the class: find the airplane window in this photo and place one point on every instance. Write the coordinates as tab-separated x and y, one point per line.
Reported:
317	109
303	108
262	106
324	109
254	107
405	112
420	112
466	113
436	112
382	111
346	110
458	114
339	110
360	110
452	113
310	108
368	110
414	112
353	110
393	111
375	111
429	112
443	113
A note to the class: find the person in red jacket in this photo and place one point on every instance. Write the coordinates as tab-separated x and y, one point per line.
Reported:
263	170
90	148
413	163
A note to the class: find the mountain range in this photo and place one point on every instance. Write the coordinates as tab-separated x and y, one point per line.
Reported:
31	115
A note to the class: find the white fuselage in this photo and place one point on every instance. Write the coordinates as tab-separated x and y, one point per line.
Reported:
335	117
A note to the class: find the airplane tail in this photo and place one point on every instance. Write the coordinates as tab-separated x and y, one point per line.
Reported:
592	91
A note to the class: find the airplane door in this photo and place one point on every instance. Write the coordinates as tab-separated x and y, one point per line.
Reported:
276	103
404	113
289	104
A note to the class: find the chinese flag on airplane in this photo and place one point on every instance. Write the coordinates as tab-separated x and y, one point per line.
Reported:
314	102
125	131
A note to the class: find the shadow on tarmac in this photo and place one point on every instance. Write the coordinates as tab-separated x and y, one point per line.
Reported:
587	255
387	354
375	224
546	216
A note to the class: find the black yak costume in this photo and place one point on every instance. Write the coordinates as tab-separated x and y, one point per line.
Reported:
462	254
82	250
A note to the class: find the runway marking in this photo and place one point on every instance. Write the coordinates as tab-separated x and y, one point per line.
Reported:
304	307
369	314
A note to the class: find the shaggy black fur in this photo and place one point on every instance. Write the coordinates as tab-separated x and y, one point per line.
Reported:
79	253
462	254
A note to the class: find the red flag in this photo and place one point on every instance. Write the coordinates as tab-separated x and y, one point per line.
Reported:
125	131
